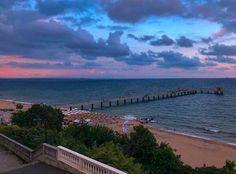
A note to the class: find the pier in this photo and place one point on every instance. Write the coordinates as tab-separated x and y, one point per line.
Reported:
121	101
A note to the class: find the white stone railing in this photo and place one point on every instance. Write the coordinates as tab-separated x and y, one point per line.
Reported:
83	163
73	159
14	146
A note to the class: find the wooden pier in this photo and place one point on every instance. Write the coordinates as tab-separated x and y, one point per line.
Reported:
121	101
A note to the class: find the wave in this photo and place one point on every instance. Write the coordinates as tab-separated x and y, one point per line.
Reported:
212	130
197	136
129	117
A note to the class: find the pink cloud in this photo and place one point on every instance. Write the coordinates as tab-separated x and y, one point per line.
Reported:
219	33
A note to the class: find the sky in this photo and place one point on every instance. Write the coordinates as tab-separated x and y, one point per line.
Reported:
118	38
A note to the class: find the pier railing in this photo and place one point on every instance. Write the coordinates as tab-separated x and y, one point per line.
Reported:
80	163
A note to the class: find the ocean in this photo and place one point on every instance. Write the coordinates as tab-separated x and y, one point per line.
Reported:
207	116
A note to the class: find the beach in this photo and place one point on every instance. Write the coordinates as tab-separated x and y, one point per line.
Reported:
7	107
194	151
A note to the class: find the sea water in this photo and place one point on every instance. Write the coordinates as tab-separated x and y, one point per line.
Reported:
201	115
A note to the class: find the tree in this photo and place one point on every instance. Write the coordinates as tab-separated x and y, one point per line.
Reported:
141	145
164	161
42	116
19	106
112	155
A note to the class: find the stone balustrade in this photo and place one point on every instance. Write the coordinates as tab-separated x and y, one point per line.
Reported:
79	162
22	151
83	163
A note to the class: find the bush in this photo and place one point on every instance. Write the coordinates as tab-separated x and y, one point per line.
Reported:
111	154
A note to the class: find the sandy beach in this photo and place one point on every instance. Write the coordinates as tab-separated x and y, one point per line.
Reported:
11	104
194	151
7	107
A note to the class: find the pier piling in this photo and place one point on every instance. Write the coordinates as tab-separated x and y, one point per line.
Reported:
149	97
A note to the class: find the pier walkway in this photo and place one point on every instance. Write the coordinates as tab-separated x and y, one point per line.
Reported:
119	101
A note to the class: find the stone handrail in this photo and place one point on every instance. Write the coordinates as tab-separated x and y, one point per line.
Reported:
50	151
19	149
73	159
83	163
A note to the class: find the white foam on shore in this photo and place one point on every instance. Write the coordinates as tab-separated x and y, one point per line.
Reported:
196	136
129	117
15	101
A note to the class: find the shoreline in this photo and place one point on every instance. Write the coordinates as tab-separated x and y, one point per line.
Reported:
207	139
194	150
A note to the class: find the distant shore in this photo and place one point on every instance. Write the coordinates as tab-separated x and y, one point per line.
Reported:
194	151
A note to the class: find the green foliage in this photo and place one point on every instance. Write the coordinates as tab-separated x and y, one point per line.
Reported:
141	145
137	154
90	135
19	106
31	137
159	164
111	154
229	168
39	116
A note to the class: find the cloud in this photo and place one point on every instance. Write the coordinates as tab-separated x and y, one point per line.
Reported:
222	59
65	65
219	50
163	41
144	58
165	59
170	59
207	40
9	3
50	39
185	42
143	38
132	11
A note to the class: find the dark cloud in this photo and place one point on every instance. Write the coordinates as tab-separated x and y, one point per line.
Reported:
144	58
134	11
111	47
143	38
170	59
220	11
185	42
54	40
9	3
222	59
65	65
206	40
219	50
163	41
165	59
